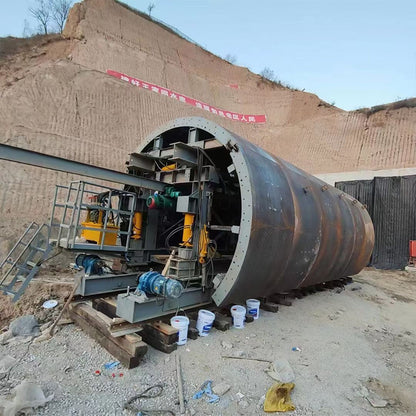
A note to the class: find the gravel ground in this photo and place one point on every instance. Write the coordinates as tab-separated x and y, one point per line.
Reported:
352	343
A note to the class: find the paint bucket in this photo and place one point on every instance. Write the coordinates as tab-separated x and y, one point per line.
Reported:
253	308
181	323
205	321
238	313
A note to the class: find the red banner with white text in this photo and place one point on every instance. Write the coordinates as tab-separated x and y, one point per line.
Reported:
245	118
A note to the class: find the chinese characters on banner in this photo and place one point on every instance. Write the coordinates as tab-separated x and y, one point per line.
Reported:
245	118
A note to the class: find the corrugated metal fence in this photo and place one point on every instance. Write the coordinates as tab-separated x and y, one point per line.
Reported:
391	203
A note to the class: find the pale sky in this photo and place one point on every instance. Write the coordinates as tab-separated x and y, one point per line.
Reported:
354	53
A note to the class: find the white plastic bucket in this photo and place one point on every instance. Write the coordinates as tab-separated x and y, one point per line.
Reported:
253	308
238	313
181	323
205	321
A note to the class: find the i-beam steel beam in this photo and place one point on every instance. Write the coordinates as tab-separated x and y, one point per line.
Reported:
29	157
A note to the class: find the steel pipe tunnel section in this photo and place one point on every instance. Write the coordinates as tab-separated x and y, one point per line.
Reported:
295	230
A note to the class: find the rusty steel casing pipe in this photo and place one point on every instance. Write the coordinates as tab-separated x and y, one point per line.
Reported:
295	229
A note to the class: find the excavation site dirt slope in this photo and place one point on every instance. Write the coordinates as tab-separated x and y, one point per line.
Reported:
57	98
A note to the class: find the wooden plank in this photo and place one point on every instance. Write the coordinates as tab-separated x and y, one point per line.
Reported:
269	306
97	317
222	322
298	294
99	321
126	359
280	299
165	328
193	333
133	338
106	306
128	329
249	319
157	339
166	338
158	344
118	353
117	326
160	258
165	269
117	321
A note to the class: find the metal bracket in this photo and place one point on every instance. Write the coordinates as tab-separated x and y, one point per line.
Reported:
132	308
106	283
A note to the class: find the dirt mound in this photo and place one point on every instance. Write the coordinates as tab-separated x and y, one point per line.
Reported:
54	281
407	103
31	302
11	46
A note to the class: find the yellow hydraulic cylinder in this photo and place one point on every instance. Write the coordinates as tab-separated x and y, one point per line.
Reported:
203	245
137	225
187	230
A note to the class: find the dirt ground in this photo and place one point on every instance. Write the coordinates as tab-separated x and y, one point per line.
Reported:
53	281
353	344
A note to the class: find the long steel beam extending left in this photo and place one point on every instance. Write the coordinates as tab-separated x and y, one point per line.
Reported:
29	157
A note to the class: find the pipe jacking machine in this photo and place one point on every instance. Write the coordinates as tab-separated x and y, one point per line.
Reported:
205	215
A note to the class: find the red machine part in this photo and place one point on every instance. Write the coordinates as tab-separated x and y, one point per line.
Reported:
412	253
412	248
152	203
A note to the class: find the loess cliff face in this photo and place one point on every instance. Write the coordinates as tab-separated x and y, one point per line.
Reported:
57	98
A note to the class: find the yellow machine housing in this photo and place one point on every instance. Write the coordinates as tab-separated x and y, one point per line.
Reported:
110	239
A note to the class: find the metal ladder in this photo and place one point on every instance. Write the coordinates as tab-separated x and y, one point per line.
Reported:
24	259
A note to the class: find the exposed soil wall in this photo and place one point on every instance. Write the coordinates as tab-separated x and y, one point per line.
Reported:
56	98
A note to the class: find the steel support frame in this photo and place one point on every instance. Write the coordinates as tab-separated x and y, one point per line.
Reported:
72	208
132	308
106	283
